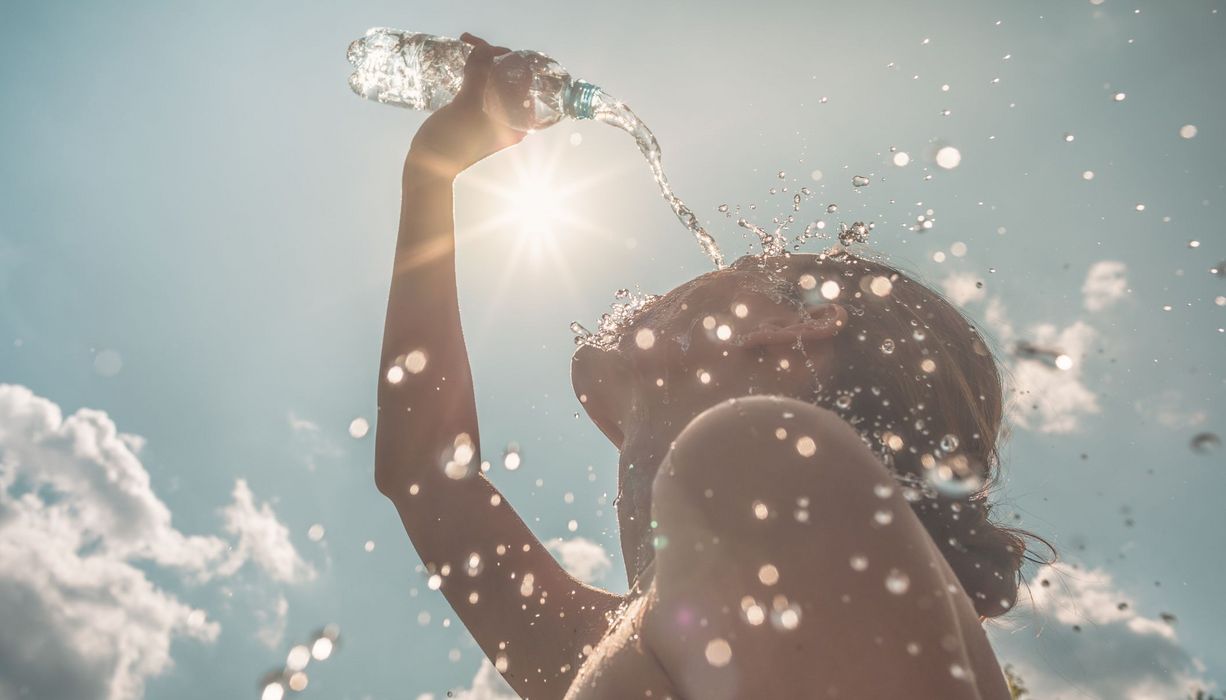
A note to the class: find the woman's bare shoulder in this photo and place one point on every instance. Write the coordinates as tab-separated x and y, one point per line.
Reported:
790	565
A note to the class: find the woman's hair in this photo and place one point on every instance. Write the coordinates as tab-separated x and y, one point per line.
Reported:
916	379
926	390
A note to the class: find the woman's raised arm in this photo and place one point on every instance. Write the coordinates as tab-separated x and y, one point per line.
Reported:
524	610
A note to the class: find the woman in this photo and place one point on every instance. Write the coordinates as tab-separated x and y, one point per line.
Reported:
805	443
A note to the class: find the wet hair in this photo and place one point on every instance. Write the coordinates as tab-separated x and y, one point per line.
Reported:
918	381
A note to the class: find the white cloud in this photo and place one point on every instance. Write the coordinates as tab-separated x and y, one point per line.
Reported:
1045	398
262	539
311	440
1105	284
962	288
582	558
1115	651
486	685
1170	410
78	518
273	621
1048	399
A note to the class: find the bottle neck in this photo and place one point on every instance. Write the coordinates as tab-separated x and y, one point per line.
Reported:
581	100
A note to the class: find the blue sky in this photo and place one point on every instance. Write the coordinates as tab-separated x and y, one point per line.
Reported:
196	224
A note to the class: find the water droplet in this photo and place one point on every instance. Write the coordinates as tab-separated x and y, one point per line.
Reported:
1068	138
883	490
298	658
897	582
843	401
511	458
723	208
859	181
415	362
883	517
322	648
830	289
887	346
806	446
949	157
785	616
1087	175
752	611
1064	362
949	443
901	159
315	532
718	653
768	574
782	174
435	582
856	233
1188	131
760	510
473	564
358	427
859	562
645	338
832	208
1205	443
1119	97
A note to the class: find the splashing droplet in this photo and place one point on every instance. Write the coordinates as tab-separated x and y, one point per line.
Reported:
949	157
1205	443
897	582
718	652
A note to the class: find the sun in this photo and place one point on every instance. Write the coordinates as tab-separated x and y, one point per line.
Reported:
536	212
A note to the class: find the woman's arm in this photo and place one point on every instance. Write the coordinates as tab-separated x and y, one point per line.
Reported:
514	598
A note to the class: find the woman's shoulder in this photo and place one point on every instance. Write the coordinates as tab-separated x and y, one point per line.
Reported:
789	564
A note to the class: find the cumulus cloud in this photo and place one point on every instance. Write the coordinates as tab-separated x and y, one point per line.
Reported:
486	685
962	288
262	539
79	521
311	441
1046	397
1049	399
1084	638
582	558
1106	283
1171	410
273	621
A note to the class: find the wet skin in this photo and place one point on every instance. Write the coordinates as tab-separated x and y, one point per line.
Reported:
697	457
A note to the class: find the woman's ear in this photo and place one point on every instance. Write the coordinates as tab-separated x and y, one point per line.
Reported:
603	382
822	322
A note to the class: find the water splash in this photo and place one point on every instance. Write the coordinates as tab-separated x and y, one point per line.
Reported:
613	324
856	233
772	243
611	111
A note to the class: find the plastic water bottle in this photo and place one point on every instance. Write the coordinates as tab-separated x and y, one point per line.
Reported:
527	90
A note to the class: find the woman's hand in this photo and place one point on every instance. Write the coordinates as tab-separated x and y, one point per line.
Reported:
461	133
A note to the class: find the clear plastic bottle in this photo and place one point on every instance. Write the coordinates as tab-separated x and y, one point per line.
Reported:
527	90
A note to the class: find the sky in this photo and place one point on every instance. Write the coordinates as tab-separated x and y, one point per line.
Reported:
196	226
